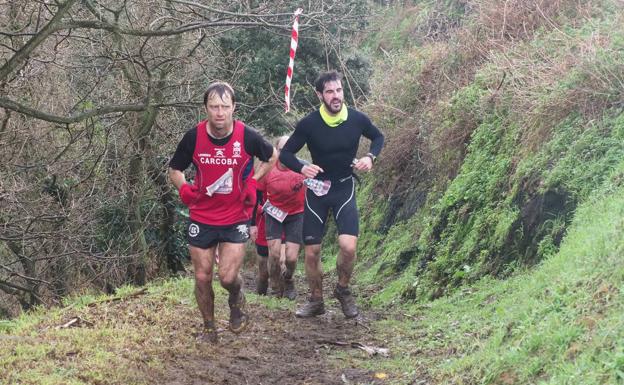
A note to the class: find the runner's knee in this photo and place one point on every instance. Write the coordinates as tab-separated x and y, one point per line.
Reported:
348	250
313	251
313	259
275	247
228	281
203	277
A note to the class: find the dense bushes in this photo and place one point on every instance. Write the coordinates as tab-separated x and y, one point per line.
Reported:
502	129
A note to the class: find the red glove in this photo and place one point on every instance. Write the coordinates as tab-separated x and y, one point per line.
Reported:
248	195
188	193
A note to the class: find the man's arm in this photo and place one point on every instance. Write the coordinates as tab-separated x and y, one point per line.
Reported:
256	206
265	167
176	177
258	147
371	132
188	194
289	159
182	158
295	143
377	144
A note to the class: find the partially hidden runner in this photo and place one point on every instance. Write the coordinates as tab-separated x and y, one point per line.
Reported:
332	134
283	215
258	236
222	150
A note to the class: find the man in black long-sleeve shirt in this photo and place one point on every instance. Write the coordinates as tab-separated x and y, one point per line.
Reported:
332	135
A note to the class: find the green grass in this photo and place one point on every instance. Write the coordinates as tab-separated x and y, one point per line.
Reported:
130	334
136	329
558	324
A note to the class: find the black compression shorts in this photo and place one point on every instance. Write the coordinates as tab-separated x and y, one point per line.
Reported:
206	236
341	200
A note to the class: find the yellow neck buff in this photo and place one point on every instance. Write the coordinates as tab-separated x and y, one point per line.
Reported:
334	120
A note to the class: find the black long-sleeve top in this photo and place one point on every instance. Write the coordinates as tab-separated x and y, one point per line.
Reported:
332	148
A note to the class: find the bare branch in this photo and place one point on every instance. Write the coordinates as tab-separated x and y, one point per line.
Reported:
35	41
99	111
93	24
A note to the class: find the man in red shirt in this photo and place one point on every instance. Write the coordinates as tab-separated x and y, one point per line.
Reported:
222	151
283	215
258	236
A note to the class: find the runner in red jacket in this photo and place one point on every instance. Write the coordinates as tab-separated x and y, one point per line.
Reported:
283	215
222	151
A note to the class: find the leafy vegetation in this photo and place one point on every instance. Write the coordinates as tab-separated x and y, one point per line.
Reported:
507	144
557	323
492	227
136	329
251	60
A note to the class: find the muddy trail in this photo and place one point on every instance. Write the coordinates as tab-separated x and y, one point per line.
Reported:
277	347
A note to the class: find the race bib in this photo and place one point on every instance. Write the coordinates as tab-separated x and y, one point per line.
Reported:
318	187
273	211
223	185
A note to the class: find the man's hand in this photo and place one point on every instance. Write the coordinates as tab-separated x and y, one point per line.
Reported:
248	195
311	170
188	194
363	164
253	233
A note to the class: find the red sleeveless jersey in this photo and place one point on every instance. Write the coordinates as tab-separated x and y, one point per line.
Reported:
221	174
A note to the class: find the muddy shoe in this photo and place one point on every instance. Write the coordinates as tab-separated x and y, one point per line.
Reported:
277	290
262	287
343	295
238	319
311	309
289	289
208	334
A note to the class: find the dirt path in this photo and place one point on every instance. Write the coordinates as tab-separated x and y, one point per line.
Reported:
278	348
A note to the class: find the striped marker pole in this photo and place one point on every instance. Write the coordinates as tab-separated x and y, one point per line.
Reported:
291	63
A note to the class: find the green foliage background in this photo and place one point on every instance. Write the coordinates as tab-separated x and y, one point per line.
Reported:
505	145
257	60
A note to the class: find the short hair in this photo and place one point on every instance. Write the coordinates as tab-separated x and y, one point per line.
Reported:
325	77
219	88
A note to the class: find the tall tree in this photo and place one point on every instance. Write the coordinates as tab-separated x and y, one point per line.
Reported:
93	93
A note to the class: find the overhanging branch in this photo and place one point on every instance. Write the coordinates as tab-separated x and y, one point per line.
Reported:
41	115
34	42
12	105
94	24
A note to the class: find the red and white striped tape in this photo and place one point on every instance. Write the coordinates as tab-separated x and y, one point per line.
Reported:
291	63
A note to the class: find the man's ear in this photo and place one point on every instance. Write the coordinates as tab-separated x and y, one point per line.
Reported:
320	95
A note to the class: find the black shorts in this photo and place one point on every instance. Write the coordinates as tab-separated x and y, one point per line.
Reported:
341	200
291	228
262	251
206	236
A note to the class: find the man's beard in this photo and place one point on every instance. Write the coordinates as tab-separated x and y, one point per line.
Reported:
330	109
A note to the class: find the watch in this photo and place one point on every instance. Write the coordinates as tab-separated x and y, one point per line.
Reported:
371	156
